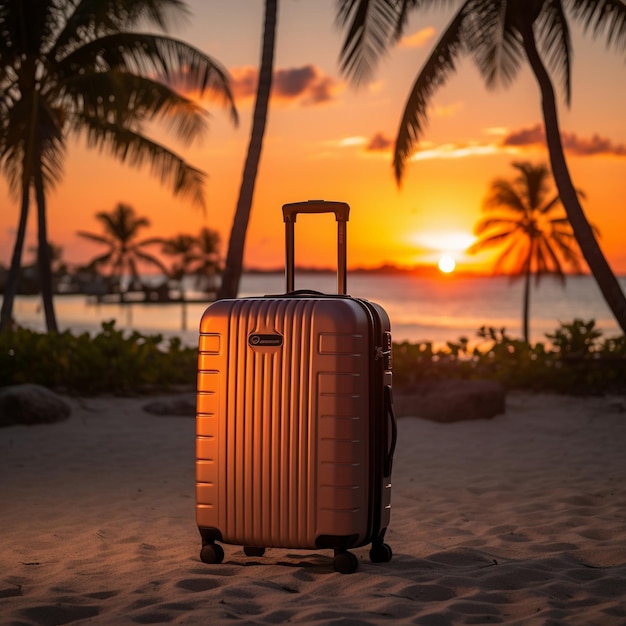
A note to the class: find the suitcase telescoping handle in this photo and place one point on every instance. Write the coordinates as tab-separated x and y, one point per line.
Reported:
341	211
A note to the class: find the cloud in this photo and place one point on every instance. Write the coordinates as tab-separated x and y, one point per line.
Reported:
525	137
379	143
306	85
498	141
418	39
455	150
572	143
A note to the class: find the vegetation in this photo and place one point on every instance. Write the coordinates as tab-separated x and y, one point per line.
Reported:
108	362
499	36
522	217
578	360
83	69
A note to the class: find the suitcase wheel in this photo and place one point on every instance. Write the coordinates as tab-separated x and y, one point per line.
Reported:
380	553
252	551
212	553
345	562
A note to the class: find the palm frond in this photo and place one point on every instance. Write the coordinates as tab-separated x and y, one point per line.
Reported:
503	194
602	17
493	44
92	19
128	100
152	260
508	223
548	261
372	25
516	254
103	259
439	65
25	28
532	183
169	60
93	237
490	241
134	148
549	206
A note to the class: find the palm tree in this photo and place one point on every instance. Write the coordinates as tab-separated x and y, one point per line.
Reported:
524	218
80	68
206	258
498	35
181	247
124	251
233	268
197	256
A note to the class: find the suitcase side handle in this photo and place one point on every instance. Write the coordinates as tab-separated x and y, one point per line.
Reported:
391	445
341	211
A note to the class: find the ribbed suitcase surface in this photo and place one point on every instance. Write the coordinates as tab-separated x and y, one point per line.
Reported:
286	463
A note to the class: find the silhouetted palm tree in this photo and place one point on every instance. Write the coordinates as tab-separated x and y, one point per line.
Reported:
530	222
80	68
206	258
498	35
231	277
193	256
124	250
181	248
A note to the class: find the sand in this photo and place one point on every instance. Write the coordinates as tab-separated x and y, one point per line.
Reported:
516	520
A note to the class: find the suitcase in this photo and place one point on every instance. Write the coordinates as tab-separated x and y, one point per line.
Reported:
295	431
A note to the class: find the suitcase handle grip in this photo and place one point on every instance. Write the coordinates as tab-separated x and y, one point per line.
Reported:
394	430
341	211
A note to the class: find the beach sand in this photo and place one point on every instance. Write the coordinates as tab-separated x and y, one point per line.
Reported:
520	519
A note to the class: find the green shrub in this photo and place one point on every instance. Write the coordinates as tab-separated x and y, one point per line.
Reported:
108	362
577	359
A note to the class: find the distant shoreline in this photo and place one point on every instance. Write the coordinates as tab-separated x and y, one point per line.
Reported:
418	270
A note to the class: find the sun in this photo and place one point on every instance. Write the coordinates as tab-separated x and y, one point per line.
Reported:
446	263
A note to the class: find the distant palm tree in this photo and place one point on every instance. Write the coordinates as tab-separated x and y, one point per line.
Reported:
79	68
524	218
124	250
233	268
498	35
193	256
206	258
181	247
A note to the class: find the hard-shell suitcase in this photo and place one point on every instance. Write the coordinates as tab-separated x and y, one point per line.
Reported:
295	426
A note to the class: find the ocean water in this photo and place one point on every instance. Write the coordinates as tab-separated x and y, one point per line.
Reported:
421	309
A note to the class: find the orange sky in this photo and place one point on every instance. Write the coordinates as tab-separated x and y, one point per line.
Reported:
326	140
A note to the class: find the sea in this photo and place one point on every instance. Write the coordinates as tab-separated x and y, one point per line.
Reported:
436	309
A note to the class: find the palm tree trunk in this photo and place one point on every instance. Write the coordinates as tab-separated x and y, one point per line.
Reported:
10	289
604	276
43	257
231	276
526	301
183	302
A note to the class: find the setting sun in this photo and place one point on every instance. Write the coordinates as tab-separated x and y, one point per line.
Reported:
446	264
